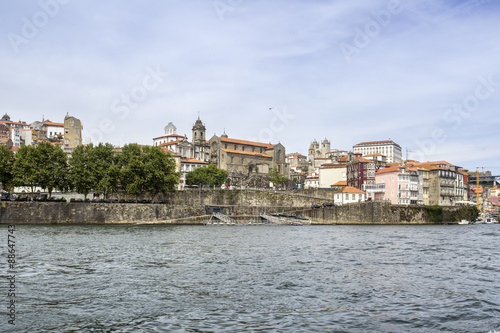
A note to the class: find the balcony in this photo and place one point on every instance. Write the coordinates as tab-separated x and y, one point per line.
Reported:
374	188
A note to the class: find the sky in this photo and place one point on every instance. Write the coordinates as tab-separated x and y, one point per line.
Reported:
423	73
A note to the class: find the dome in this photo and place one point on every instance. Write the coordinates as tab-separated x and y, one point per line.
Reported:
170	129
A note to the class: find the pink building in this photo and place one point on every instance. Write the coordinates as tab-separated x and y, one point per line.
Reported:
398	185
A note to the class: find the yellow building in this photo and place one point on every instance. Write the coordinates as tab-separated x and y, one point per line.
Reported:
72	133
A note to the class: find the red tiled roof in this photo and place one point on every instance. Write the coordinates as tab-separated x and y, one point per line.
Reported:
169	136
494	200
389	169
333	166
12	122
295	155
49	123
249	143
192	160
168	143
350	189
245	153
340	183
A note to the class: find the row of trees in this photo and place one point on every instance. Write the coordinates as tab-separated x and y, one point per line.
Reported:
135	171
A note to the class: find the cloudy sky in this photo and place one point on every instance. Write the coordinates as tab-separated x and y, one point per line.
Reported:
423	73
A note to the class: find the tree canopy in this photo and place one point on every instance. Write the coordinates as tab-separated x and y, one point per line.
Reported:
276	177
136	171
6	165
210	175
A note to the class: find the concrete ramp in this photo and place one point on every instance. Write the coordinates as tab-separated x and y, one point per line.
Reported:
285	219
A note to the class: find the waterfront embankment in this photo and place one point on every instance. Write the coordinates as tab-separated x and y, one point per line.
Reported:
116	213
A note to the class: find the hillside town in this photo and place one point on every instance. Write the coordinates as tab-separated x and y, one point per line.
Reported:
370	171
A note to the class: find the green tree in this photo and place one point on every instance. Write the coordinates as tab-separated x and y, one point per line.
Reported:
51	167
104	169
44	165
159	171
210	175
132	177
80	174
276	177
24	167
6	165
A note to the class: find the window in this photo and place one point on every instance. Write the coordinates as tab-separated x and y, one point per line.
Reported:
72	123
77	142
66	130
66	142
77	130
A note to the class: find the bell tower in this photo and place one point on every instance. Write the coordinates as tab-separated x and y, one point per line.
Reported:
199	132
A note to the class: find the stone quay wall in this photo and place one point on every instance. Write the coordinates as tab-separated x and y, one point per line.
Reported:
94	213
381	213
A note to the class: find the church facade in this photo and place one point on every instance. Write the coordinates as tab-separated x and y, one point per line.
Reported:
248	163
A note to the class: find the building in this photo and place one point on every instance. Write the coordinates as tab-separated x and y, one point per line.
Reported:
360	172
297	162
198	148
318	151
331	173
397	185
320	155
495	192
170	135
201	147
188	165
248	163
311	182
391	150
447	184
72	133
28	137
54	131
349	195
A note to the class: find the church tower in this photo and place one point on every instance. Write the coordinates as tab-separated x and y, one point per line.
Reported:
325	147
199	132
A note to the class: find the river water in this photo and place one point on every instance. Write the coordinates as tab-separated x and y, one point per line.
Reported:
148	278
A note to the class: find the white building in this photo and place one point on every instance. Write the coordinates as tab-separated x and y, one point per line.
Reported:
311	182
15	136
349	195
388	148
330	174
198	148
170	135
53	130
188	165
